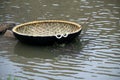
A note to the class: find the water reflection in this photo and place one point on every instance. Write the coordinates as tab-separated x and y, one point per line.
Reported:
33	52
48	52
46	60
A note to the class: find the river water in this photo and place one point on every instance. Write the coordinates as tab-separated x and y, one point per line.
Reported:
94	55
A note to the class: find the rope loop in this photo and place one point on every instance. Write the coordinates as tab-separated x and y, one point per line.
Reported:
65	35
58	36
62	35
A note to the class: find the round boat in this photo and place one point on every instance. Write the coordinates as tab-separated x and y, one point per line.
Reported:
47	32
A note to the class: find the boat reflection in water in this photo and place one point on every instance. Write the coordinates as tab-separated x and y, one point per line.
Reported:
47	52
30	51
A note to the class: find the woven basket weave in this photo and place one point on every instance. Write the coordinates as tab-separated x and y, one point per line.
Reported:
45	28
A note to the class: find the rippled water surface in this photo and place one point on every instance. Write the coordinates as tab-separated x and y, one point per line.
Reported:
94	55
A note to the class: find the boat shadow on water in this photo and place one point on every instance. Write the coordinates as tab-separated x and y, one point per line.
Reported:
49	52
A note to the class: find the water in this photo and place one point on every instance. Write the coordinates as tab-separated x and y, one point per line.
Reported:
94	56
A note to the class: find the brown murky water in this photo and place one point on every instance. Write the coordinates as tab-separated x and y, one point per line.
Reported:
94	56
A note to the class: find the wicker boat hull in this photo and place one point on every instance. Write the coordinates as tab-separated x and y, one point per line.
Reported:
47	32
47	40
